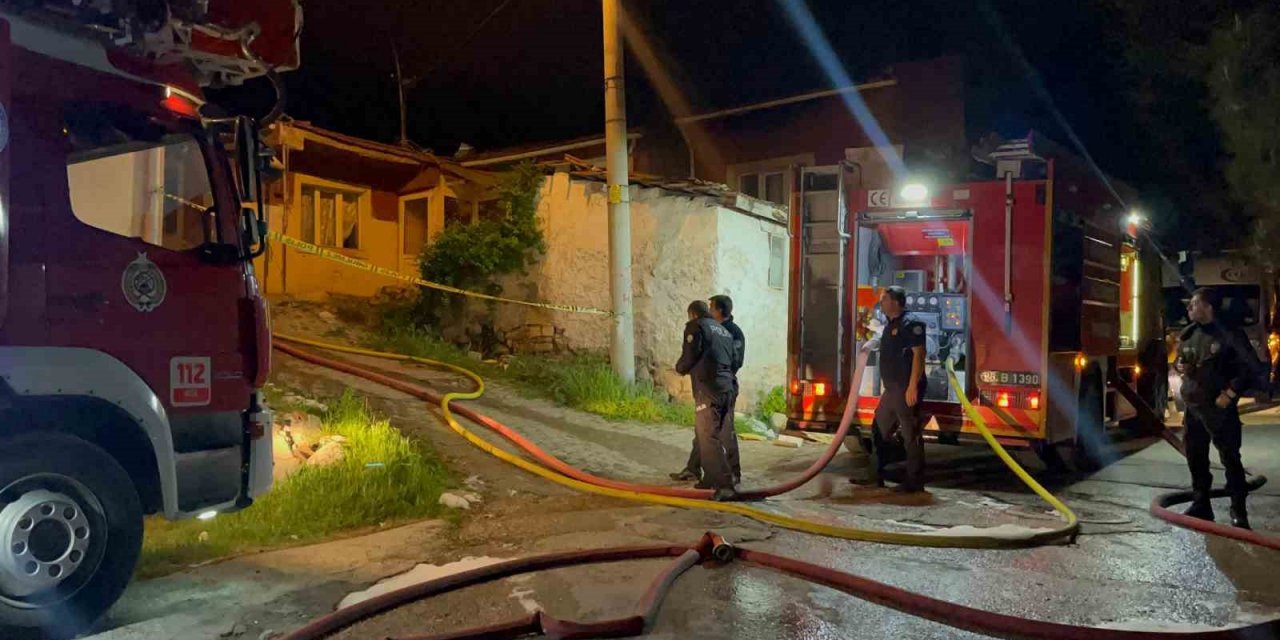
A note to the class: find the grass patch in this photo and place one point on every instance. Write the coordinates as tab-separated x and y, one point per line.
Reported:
385	479
584	382
773	402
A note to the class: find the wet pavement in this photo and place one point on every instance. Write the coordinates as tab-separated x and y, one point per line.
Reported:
1127	569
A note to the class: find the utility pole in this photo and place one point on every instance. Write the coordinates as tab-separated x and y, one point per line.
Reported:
622	349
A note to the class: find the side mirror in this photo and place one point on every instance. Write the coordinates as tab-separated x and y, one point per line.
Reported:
249	161
246	145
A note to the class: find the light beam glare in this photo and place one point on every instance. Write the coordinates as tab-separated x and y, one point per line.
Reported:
701	143
806	26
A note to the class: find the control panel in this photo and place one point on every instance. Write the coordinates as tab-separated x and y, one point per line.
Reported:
946	336
953	312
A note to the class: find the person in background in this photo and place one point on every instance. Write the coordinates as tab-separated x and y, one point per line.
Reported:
1217	364
722	312
901	347
707	358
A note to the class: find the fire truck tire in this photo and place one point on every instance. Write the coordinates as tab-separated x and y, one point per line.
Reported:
84	541
1092	443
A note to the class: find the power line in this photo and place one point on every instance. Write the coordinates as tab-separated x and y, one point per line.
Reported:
466	42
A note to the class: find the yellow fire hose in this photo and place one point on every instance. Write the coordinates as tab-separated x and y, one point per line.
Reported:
1067	531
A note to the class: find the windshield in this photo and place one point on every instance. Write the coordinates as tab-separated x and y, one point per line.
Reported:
1240	304
134	176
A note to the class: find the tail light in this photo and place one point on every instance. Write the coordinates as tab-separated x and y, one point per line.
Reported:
1081	361
1137	370
820	389
1033	401
1003	400
795	387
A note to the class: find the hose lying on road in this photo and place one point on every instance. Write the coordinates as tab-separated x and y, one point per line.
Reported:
713	548
1160	509
548	467
1160	505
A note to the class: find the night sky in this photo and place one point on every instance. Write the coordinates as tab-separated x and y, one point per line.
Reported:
533	72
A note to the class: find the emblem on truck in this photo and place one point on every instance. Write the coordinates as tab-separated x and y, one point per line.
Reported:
143	284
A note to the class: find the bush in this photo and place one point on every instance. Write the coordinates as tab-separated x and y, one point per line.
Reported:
773	402
472	256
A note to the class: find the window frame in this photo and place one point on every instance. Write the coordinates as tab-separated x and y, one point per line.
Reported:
363	204
215	234
764	187
428	196
782	263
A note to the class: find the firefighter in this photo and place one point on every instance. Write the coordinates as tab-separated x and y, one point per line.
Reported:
722	312
1217	364
707	358
901	346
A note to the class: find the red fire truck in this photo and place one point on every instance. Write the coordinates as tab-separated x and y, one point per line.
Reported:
133	339
1033	283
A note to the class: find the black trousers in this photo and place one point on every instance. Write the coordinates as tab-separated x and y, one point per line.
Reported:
728	438
709	442
893	413
1205	425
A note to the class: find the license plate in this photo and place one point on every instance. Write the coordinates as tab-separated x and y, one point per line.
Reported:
1011	378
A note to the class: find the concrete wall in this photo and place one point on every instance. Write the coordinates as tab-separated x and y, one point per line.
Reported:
759	309
683	248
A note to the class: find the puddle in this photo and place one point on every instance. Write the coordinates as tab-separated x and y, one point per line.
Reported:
417	575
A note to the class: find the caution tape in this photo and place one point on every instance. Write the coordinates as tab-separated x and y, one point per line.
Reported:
307	247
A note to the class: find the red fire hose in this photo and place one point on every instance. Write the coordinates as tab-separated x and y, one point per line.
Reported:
1160	509
713	548
998	625
550	461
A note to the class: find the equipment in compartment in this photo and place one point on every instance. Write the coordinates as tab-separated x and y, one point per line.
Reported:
946	334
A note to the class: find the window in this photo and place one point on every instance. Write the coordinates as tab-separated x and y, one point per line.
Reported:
330	217
415	225
775	189
492	210
131	177
777	261
455	213
749	184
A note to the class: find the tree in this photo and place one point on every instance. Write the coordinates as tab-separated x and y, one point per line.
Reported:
1243	72
473	256
1205	80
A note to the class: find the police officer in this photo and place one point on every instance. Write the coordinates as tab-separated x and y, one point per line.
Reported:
722	312
1217	364
707	358
901	347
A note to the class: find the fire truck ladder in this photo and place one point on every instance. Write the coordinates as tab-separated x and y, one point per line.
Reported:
824	243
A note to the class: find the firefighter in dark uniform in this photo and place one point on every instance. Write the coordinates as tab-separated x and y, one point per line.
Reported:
902	347
1217	364
707	358
722	312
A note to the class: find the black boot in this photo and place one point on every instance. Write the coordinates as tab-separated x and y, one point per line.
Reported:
1239	515
685	476
1200	508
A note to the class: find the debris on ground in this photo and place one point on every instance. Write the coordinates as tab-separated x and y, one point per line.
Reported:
235	631
330	450
454	501
778	421
418	575
757	427
791	442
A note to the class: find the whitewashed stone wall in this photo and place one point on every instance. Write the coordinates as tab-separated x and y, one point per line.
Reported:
683	248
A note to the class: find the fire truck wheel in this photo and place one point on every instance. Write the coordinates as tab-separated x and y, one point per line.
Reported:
70	533
1093	446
